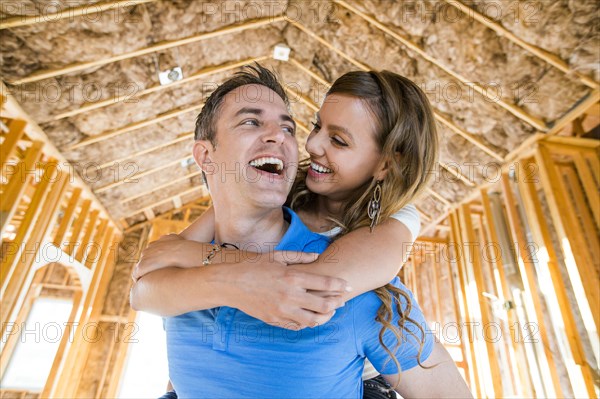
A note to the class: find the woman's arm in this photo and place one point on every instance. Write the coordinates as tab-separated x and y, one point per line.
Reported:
366	260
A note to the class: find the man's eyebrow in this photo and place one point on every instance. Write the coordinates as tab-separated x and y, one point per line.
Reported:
248	110
287	118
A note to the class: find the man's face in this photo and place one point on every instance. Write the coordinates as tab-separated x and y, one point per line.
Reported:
256	155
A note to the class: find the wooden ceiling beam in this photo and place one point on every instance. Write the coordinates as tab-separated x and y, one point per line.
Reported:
134	126
168	199
547	56
120	98
512	108
86	10
178	139
160	187
167	44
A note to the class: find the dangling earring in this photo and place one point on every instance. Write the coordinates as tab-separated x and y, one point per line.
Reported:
375	205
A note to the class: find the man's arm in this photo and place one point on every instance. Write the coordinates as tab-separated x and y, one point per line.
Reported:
264	290
440	381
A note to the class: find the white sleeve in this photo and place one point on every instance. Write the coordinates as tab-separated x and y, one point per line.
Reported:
411	219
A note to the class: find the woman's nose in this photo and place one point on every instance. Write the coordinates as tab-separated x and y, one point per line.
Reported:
314	145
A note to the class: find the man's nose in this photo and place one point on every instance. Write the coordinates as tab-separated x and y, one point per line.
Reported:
273	133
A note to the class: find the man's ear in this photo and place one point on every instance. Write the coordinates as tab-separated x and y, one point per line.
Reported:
202	152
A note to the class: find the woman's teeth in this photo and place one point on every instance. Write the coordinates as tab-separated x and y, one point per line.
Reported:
319	168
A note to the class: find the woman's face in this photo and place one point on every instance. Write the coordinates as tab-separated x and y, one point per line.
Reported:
342	147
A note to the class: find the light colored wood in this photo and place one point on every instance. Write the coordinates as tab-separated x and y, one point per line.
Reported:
16	129
153	89
134	126
589	187
550	58
76	67
457	173
13	286
485	313
476	141
512	108
438	197
585	217
579	267
34	132
62	348
86	10
132	178
67	219
531	292
161	186
70	246
584	104
17	185
11	341
309	72
541	233
87	235
26	228
92	258
179	139
162	201
149	214
116	372
456	237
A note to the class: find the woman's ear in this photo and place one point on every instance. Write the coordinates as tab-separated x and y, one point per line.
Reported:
384	167
202	151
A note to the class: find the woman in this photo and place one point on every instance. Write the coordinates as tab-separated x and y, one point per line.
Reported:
371	150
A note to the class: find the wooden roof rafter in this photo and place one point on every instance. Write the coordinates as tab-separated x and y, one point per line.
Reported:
120	98
512	108
165	45
548	57
86	10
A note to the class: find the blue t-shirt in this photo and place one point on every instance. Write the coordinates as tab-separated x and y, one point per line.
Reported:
225	353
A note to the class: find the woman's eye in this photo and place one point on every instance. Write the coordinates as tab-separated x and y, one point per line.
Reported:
316	125
338	141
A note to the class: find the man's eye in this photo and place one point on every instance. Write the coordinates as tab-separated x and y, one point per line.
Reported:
290	130
252	122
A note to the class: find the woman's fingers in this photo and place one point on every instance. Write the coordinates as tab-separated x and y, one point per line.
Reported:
315	282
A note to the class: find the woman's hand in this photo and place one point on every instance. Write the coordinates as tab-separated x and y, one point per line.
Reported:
168	251
281	296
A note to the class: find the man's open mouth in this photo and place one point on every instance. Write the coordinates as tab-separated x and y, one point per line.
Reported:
268	164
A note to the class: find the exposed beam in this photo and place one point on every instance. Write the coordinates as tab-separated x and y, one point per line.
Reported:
160	202
79	66
89	9
550	58
195	76
580	108
441	118
512	108
179	139
134	126
34	132
130	179
160	187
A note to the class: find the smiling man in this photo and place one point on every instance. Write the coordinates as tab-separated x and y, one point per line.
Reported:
246	147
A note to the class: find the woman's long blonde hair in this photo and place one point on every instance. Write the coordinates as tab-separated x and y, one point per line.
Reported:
406	135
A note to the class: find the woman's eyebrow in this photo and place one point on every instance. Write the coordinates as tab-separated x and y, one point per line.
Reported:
340	129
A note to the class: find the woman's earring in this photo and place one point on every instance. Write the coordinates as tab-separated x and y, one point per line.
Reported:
375	205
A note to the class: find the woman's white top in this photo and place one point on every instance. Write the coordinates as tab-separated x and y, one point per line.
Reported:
411	219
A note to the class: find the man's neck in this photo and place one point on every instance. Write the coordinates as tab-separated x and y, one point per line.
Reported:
255	230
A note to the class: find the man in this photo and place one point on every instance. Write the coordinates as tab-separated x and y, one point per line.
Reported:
249	155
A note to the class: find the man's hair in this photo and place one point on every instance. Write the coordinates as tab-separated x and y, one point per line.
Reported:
206	126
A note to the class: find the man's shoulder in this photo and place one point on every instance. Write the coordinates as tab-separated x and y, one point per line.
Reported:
299	238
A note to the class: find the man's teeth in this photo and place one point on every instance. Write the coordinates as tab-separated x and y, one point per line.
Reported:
319	168
267	160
